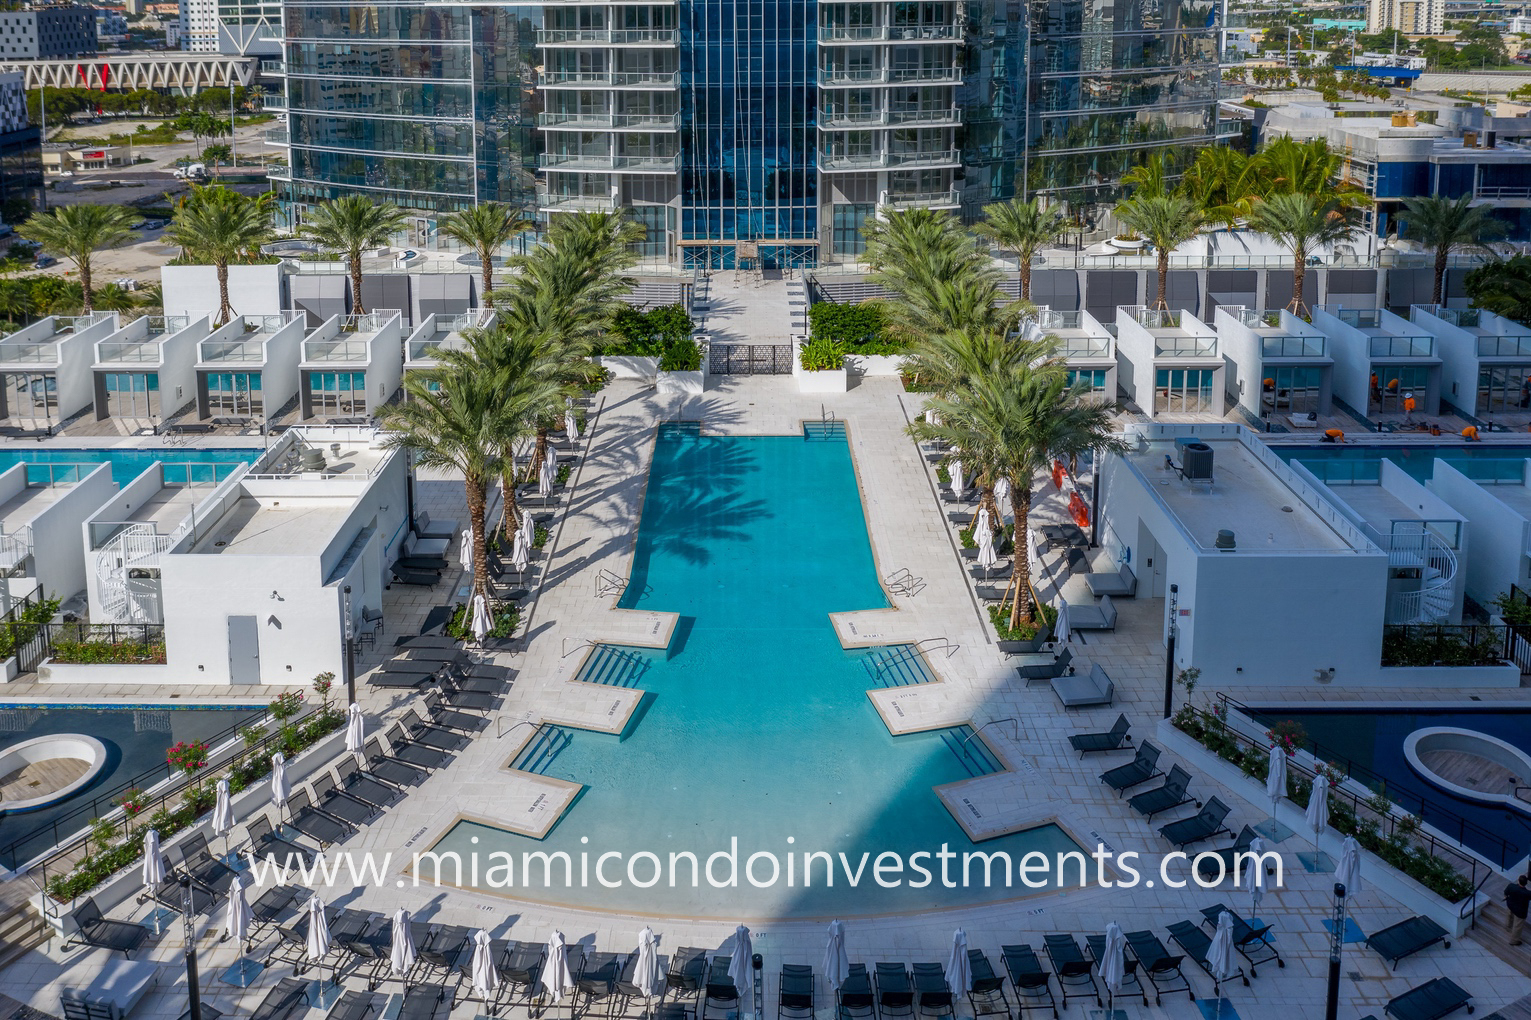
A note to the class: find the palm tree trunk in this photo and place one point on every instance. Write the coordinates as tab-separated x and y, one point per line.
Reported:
986	501
1020	507
487	302
1164	277
225	312
510	519
356	305
1441	254
475	490
1025	276
85	284
538	453
1299	270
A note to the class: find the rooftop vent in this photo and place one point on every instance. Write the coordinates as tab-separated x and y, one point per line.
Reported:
1225	541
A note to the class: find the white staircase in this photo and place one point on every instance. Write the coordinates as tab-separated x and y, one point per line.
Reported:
123	600
1433	601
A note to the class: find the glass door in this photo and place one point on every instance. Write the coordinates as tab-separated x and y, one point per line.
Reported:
133	396
1183	390
1392	384
1293	389
1504	388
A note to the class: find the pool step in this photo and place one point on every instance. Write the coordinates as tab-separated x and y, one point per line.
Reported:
825	430
679	429
537	756
971	751
22	929
897	666
612	667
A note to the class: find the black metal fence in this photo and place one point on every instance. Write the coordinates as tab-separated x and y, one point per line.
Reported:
1445	645
750	359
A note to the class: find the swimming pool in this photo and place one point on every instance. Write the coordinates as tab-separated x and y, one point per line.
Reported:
755	723
129	464
136	739
1373	739
1418	461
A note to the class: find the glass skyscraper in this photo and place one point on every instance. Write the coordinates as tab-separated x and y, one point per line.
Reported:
735	130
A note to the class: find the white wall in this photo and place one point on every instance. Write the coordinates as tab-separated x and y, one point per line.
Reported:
76	353
386	368
1500	534
193	290
1351	352
57	551
178	373
1135	361
1458	350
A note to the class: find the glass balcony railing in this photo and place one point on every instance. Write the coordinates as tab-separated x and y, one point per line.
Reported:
1361	318
1156	318
337	350
608	37
614	79
1289	346
30	354
1185	347
950	198
1084	347
600	162
879	33
1260	318
1504	346
136	352
278	173
579	203
1402	346
871	160
1467	317
233	350
582	120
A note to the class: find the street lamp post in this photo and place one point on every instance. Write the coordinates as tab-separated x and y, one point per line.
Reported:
1336	943
1169	656
350	653
193	989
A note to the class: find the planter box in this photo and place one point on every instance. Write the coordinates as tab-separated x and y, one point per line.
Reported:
50	672
1375	872
822	382
626	366
875	364
679	382
12	668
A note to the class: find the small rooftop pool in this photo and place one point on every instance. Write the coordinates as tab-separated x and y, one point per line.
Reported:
128	464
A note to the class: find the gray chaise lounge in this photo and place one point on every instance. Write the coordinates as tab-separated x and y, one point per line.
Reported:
1121	583
1094	688
1097	617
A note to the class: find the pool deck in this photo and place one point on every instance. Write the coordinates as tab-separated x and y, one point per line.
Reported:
594	531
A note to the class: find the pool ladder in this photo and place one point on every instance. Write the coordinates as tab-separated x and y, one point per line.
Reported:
903	582
608	583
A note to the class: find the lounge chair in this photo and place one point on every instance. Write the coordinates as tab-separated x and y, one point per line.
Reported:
932	993
1204	825
1033	985
598	978
856	1001
1430	1001
369	941
451	718
384	766
274	904
264	843
1252	943
428	527
1206	861
115	989
205	869
687	973
413	752
364	786
283	1000
425	563
1049	671
986	993
1196	943
1142	768
456	696
1097	617
1131	986
170	895
519	965
1120	583
1114	739
1407	938
720	991
422	731
895	993
355	1005
400	675
1157	966
999	573
443	946
97	931
347	807
409	575
1072	968
794	999
426	1002
1171	794
1094	688
315	824
989	593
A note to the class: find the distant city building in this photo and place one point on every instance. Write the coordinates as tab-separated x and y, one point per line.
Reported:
1411	17
250	27
21	167
134	6
199	25
110	24
46	32
1389	60
1323	24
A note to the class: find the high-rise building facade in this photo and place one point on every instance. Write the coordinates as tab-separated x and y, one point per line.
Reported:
45	32
1411	17
768	130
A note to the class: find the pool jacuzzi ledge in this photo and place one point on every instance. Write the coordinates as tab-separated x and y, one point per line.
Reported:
1454	738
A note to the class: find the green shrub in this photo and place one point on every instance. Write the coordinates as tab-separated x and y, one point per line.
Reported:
681	356
505	615
120	652
24	627
1000	617
820	355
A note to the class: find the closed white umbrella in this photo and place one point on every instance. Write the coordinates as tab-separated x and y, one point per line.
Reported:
646	975
1348	871
548	473
1275	777
955	470
1220	953
570	422
482	624
401	953
465	549
1061	633
984	536
520	553
236	917
223	809
1253	878
1002	495
555	977
279	788
485	978
528	528
356	727
959	973
318	945
983	522
154	861
1318	808
1113	968
837	965
739	964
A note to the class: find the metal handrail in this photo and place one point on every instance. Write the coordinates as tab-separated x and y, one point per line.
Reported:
1015	733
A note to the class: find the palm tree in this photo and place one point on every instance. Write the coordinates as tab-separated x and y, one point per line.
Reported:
15	299
485	228
1022	228
941	280
114	297
1503	287
1014	420
1303	222
221	226
1166	222
350	225
1448	225
77	232
1149	179
1223	182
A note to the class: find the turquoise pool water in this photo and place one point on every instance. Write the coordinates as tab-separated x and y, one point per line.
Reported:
755	723
1482	461
136	739
129	464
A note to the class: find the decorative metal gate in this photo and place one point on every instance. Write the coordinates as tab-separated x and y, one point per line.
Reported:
750	359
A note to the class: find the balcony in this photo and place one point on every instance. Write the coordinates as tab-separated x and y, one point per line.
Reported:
609	121
273	67
599	163
608	37
830	76
1185	347
608	79
886	118
1083	348
276	136
1258	318
1289	346
1155	318
856	34
949	199
1402	347
1465	317
1505	194
1504	346
1361	318
278	173
337	350
273	102
132	352
880	160
29	354
577	203
232	351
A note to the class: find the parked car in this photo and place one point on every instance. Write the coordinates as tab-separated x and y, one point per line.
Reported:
154	224
44	261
